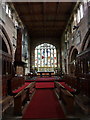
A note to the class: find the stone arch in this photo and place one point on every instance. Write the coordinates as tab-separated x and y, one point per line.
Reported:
4	47
5	40
42	42
72	47
88	46
72	60
7	52
71	52
74	54
86	41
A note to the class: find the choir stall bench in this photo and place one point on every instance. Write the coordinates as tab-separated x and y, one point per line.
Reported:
66	91
65	96
21	98
6	100
21	94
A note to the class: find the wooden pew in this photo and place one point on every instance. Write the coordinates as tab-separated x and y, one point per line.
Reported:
30	90
5	99
65	96
17	82
83	74
58	89
71	81
83	102
19	102
83	98
6	102
68	99
21	92
22	97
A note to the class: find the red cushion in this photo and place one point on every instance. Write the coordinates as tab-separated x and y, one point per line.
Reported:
62	83
45	78
67	87
21	88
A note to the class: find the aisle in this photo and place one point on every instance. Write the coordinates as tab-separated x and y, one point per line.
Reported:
44	104
44	85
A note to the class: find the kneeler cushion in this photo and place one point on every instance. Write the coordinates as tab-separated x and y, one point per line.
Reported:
21	88
67	87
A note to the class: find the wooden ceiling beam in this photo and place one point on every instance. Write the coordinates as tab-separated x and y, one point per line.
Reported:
46	21
39	14
46	29
43	14
45	36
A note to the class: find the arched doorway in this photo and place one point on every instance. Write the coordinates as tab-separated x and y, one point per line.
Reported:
45	57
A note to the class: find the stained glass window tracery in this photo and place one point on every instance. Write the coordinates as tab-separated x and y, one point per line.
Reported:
45	57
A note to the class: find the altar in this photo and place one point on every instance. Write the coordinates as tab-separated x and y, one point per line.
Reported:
49	73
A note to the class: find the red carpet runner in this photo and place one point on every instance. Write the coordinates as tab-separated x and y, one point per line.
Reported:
44	85
44	104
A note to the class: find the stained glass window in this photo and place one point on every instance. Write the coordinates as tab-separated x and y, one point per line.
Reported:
45	57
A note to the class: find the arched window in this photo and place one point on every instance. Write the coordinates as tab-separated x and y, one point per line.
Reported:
45	57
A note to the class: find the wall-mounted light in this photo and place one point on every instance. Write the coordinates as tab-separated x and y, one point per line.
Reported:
65	41
75	27
17	27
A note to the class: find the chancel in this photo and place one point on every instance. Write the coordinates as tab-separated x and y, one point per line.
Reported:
45	60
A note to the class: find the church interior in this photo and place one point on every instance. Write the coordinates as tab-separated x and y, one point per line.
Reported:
45	60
